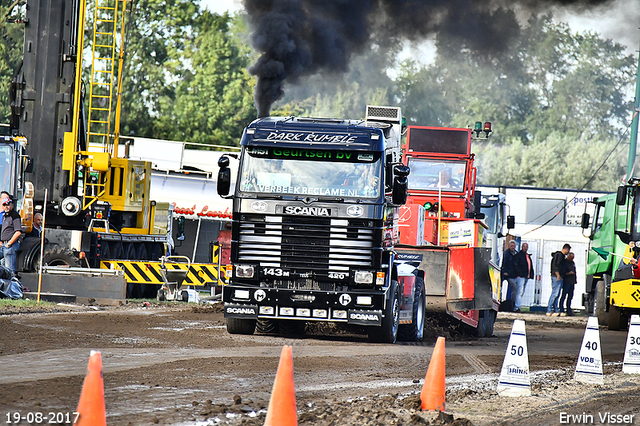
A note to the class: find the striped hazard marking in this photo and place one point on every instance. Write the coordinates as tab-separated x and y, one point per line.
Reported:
141	272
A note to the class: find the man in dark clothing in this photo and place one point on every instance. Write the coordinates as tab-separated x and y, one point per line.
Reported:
10	235
568	284
557	270
510	270
36	230
524	267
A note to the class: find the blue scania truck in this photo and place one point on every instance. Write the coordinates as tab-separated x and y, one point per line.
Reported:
315	222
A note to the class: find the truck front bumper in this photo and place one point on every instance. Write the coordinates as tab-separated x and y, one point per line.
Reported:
362	307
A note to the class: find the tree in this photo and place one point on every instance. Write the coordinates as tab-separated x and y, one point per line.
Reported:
12	35
157	34
549	93
213	99
580	81
557	161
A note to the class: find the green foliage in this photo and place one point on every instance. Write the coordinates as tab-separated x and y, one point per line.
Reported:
558	102
12	35
214	96
158	32
559	160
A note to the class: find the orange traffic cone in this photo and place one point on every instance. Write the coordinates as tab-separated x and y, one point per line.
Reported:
432	394
91	408
282	404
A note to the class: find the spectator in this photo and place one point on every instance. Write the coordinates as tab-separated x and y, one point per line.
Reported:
10	235
558	265
524	267
568	284
4	195
36	230
510	272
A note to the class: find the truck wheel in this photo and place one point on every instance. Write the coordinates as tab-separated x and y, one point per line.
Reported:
617	320
588	303
480	330
267	326
161	296
241	326
388	332
491	320
292	327
415	331
59	256
599	305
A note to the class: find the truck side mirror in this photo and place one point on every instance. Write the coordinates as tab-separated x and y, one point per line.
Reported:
621	196
224	177
399	196
511	222
28	164
400	184
584	222
477	205
401	170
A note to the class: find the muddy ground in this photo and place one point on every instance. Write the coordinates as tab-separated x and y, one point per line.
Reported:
175	364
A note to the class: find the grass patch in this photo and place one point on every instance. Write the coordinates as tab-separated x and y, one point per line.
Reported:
23	303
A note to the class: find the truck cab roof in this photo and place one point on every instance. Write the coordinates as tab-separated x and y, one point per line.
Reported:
301	132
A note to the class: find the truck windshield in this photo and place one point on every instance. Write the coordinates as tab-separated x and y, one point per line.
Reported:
491	210
6	168
491	216
636	215
311	172
433	174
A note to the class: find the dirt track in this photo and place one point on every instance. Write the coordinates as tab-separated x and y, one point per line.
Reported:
176	365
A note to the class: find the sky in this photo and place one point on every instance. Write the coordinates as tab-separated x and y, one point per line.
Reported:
614	21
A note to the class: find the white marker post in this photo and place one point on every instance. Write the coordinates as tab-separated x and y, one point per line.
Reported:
589	366
631	363
514	377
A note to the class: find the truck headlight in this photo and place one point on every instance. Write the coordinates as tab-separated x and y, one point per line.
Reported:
244	271
363	277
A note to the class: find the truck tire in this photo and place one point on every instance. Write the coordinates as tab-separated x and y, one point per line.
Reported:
388	332
617	320
599	304
267	326
415	331
241	326
491	320
292	327
161	296
480	330
59	256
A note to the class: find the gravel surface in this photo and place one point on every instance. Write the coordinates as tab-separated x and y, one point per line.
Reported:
175	364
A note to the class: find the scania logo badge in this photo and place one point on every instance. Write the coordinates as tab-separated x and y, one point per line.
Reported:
259	206
355	211
307	211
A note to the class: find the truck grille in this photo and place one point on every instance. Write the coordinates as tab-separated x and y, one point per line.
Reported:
303	243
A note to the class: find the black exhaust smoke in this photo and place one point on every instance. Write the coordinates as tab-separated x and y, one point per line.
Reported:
302	37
